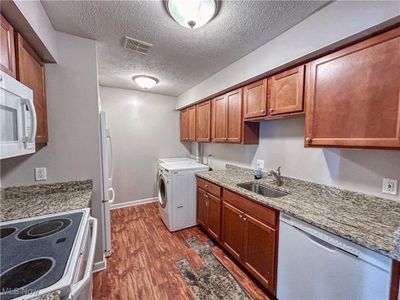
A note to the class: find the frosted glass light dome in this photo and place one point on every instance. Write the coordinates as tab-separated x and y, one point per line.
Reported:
192	13
145	82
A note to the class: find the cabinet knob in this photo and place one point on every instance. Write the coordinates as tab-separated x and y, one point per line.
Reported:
308	140
271	110
206	186
262	110
244	218
205	196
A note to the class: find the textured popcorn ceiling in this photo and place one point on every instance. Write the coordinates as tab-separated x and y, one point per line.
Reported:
180	57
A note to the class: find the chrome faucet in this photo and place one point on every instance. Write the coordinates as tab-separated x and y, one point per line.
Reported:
277	175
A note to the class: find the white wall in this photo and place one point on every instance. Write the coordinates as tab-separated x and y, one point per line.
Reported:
72	152
281	144
334	22
144	127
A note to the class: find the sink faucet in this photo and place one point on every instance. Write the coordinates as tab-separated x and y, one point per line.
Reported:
277	175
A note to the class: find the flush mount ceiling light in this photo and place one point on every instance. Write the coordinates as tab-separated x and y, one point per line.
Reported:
192	13
145	82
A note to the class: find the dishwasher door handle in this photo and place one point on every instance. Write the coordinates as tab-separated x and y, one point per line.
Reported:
319	242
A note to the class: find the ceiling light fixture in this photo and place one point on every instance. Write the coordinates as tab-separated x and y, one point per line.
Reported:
145	82
192	13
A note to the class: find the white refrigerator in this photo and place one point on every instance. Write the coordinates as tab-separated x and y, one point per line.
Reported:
107	188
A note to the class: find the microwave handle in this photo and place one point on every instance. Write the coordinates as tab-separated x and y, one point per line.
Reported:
32	110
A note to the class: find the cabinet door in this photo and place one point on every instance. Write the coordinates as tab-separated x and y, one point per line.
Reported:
285	92
184	125
201	211
192	123
255	99
30	71
214	216
259	251
203	122
235	120
7	48
232	230
219	118
352	97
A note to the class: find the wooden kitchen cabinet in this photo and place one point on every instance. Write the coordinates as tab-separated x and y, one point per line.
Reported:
209	212
184	125
30	72
219	120
255	99
192	123
203	121
7	48
232	230
227	118
285	92
352	95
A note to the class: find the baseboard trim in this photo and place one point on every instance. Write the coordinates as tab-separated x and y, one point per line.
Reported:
100	266
133	203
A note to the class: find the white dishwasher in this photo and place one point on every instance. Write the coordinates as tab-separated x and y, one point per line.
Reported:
316	265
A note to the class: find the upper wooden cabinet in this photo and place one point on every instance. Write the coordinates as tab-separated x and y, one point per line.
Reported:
255	99
227	118
192	123
184	122
285	92
353	98
7	48
219	120
203	122
30	72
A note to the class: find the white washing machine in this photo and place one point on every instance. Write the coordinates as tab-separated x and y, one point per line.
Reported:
175	160
177	193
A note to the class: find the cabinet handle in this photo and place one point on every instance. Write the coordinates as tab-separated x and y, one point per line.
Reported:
205	196
244	218
262	110
271	110
206	186
308	140
241	216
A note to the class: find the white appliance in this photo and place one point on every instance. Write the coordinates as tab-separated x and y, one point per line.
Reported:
57	251
175	160
177	193
17	118
107	187
314	264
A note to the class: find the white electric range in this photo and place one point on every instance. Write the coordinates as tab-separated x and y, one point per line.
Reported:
51	253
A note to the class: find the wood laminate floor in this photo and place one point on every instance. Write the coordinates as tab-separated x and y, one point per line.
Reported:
142	265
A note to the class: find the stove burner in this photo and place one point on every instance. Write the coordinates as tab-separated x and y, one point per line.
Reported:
44	229
24	274
6	231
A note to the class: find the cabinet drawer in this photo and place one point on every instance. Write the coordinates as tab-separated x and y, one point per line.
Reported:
209	187
255	210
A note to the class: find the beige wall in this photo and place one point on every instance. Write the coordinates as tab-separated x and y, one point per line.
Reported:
144	127
72	108
281	144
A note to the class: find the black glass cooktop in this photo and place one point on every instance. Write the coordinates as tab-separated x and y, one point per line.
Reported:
34	254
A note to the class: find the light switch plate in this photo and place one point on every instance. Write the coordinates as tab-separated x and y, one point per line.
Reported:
40	174
389	186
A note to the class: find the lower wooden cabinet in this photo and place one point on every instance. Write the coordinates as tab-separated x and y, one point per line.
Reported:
246	229
209	212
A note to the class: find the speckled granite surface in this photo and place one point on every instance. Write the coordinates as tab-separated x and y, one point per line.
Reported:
369	221
35	200
211	282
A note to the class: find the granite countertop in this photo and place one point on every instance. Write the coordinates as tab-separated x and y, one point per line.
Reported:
366	220
41	199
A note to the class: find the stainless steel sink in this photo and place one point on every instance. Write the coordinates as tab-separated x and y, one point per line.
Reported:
262	189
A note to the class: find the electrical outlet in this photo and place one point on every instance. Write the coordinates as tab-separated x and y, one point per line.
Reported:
260	164
40	174
389	186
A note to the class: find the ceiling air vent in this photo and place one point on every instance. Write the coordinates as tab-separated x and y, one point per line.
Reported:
136	45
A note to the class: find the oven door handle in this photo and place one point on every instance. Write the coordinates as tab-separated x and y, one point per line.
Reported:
81	284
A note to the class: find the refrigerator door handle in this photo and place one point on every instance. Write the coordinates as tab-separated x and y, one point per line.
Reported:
113	194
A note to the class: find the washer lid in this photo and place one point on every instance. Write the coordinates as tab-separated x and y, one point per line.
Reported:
185	166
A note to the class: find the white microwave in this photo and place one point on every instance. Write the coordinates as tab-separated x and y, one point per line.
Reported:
17	118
